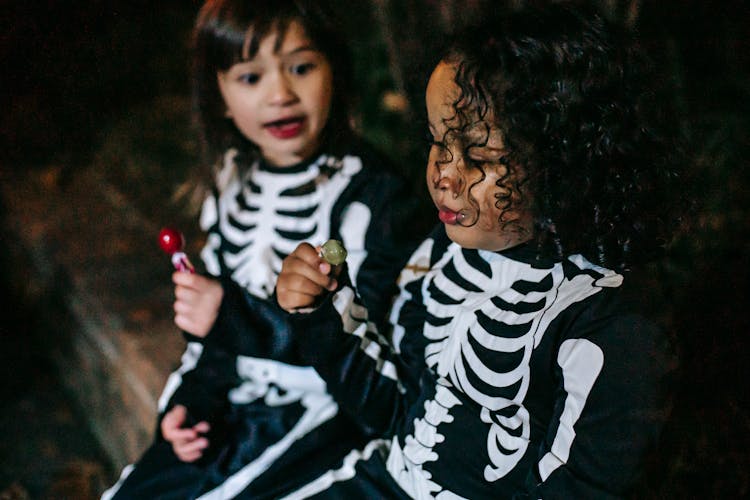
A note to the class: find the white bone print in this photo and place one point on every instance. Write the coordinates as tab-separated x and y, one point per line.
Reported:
478	321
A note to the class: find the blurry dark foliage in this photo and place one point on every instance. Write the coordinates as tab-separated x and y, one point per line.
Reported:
106	82
70	67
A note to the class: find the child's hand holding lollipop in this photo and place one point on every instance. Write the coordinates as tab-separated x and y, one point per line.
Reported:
197	297
309	273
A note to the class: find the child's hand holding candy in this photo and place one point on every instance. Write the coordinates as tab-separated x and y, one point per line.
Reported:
308	273
197	298
197	302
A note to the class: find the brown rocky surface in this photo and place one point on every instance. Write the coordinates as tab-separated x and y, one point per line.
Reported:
77	240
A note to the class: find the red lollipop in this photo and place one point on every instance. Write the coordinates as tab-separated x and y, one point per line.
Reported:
172	242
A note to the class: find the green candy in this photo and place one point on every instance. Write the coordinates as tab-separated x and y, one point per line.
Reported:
333	252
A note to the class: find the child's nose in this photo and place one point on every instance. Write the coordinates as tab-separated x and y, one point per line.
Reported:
445	183
281	91
449	179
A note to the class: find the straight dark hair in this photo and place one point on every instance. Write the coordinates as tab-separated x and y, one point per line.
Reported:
230	31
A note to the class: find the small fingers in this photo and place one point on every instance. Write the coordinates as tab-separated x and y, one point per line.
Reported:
178	437
174	418
188	458
311	283
200	326
294	291
196	304
307	253
303	274
202	427
184	323
185	294
303	279
188	280
192	450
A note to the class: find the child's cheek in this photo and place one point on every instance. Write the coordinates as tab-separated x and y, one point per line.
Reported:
488	211
489	219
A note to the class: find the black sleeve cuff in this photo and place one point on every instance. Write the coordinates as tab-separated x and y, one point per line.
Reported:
251	326
320	339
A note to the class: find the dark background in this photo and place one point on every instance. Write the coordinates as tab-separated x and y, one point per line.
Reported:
106	82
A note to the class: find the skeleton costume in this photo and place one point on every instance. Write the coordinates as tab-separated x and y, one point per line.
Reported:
507	376
274	426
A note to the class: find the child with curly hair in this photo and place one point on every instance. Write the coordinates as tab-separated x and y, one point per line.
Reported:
516	364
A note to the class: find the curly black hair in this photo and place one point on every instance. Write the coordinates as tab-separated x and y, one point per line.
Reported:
588	149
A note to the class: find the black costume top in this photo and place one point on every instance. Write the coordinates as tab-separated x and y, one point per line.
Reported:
507	376
274	424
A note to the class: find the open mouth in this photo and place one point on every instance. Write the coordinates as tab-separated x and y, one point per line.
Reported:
286	128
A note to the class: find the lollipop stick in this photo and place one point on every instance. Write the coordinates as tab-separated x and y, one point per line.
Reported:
181	262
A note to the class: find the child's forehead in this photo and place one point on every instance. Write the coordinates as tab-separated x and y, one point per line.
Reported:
444	90
278	32
467	125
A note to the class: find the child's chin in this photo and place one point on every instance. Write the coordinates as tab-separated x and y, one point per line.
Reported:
458	235
472	238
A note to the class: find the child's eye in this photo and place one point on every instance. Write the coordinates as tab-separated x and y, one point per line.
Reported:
249	78
491	157
301	69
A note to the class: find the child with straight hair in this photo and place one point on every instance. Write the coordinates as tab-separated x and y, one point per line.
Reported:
244	415
516	363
